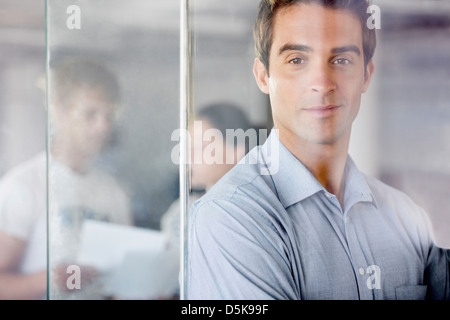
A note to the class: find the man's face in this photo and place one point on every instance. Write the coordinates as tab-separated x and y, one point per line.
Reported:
210	169
85	124
316	73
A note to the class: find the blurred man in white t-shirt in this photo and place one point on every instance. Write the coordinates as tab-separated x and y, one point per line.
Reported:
82	100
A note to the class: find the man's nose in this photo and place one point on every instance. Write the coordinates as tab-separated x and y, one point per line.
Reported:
322	78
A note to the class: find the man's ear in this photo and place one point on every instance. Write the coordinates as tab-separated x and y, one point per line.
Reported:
261	76
370	68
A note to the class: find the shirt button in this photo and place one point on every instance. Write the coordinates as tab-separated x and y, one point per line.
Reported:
328	195
361	271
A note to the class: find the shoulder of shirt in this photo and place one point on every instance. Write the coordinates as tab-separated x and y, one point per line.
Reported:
243	174
400	204
395	201
385	193
26	172
244	187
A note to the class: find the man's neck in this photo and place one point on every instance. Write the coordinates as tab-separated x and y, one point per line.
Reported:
326	162
69	158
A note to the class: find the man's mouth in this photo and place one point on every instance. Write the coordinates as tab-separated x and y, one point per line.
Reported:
323	110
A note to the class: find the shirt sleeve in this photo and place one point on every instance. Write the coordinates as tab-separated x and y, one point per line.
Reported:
233	254
17	210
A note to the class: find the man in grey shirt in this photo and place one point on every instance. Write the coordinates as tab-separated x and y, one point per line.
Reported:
296	219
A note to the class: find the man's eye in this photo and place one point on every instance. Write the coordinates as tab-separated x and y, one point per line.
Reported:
341	61
297	61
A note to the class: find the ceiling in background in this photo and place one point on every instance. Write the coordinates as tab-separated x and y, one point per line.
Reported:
31	13
22	23
22	14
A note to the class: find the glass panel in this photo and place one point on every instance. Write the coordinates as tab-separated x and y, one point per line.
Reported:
113	114
228	114
413	69
401	134
113	102
22	145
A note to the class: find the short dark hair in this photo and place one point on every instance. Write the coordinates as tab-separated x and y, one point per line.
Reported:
267	9
225	115
72	73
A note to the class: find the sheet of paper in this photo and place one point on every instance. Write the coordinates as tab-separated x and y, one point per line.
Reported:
103	245
144	275
135	262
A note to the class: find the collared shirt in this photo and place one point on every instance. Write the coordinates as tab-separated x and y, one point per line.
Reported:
269	230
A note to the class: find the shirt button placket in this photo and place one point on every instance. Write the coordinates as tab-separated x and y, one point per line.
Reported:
358	260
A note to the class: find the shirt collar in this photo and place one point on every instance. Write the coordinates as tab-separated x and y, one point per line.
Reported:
294	182
356	187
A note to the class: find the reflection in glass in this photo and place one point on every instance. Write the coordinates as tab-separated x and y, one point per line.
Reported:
221	93
401	133
83	101
112	106
22	144
212	155
413	116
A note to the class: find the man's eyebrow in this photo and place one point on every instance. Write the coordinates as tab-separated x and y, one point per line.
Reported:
350	48
305	48
294	47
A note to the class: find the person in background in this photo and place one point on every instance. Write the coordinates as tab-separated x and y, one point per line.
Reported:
219	117
208	131
206	169
83	99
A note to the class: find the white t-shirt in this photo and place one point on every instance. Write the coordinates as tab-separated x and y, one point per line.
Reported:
73	197
23	210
